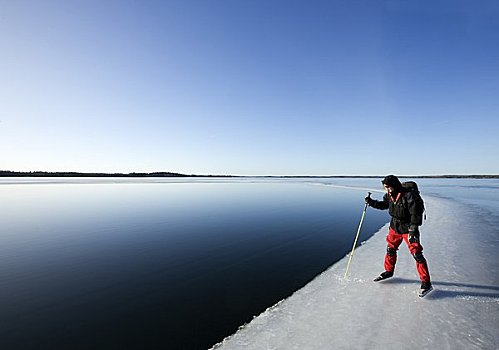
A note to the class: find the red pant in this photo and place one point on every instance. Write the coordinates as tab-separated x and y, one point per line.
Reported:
394	240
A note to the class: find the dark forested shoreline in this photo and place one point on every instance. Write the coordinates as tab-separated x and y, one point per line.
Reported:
8	173
77	174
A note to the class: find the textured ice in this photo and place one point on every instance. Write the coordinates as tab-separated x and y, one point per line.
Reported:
355	313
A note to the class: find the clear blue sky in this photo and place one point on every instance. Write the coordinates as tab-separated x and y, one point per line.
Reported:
259	87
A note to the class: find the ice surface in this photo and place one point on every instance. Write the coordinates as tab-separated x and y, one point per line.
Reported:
355	313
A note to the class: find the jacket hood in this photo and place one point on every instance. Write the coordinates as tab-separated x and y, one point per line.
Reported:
392	181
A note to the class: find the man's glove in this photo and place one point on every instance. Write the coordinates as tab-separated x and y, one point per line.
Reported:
369	201
413	235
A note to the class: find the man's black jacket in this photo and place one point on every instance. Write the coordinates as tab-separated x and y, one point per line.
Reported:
402	210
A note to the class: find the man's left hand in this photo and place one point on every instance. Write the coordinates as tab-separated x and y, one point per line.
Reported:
413	235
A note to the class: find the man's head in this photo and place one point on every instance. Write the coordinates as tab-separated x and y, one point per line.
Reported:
391	184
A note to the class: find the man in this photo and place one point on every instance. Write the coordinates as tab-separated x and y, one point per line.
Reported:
404	226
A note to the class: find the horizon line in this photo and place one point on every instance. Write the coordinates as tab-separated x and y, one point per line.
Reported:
38	173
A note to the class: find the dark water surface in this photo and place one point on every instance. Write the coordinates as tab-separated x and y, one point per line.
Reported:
91	265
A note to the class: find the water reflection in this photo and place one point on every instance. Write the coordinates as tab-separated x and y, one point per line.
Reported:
164	265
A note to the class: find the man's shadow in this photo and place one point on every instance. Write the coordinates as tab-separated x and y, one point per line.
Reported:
461	291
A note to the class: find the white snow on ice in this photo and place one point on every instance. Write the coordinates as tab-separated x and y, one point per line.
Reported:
355	313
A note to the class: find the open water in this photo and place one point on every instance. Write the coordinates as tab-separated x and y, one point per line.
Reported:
173	263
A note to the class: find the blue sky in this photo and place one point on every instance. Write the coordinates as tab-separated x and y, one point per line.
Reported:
260	87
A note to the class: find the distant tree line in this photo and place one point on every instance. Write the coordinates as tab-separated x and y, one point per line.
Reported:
4	173
456	176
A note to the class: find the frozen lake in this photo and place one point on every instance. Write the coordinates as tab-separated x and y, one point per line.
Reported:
176	263
163	263
332	312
